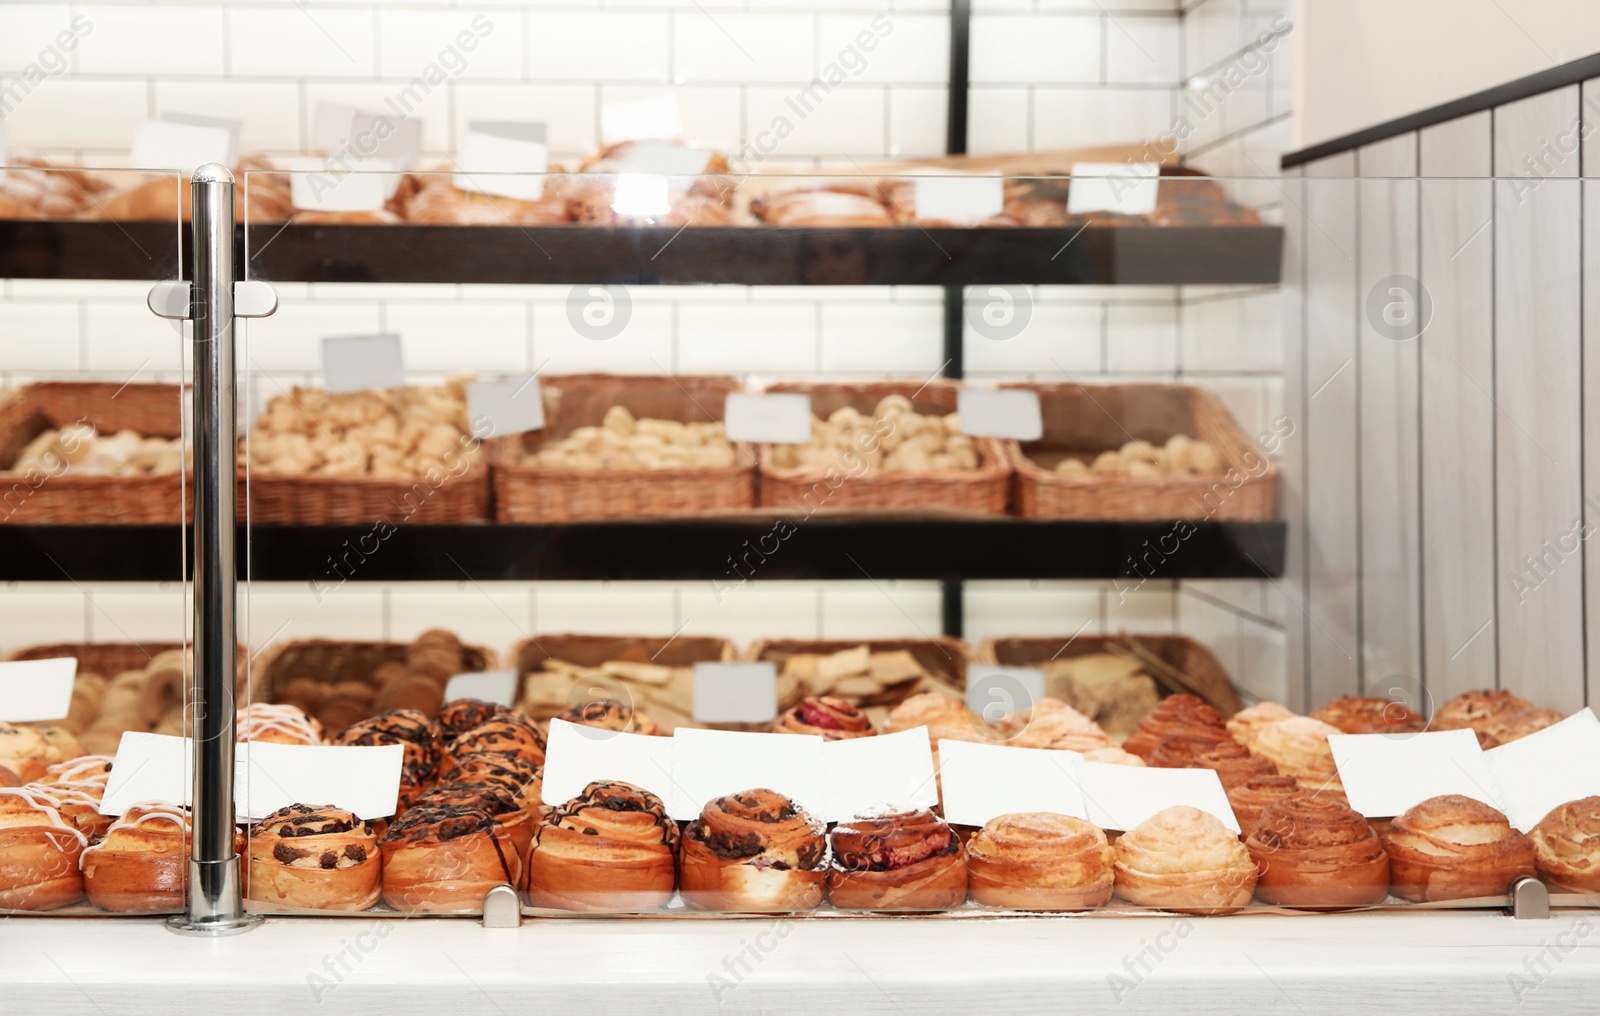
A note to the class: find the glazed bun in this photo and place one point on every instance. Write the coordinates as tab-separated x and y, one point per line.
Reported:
1039	861
1184	860
1454	848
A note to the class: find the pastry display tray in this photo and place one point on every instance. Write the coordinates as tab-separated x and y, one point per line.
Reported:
660	255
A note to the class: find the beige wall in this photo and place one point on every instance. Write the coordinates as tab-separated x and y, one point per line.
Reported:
1361	62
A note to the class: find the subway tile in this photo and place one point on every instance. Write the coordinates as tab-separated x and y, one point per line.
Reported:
643	347
54	613
320	608
831	124
1055	49
301	42
715	339
33	36
999	120
142	612
291	340
269	113
1002	609
603	608
568	113
1143	50
127	338
881	609
1056	339
39	336
467	43
67	114
1213	32
1147	608
1242	595
879	339
1213	626
461	338
736	48
1142	338
1079	117
917	122
749	612
710	113
598	46
413	99
491	615
900	48
1262	670
152	39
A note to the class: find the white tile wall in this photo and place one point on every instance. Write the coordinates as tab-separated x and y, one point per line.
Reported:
1046	74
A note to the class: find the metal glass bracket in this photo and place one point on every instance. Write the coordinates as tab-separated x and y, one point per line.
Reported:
502	907
1530	900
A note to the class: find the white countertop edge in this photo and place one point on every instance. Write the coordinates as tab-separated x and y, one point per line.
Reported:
1462	962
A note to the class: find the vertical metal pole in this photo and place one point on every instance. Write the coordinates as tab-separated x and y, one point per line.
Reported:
951	591
215	902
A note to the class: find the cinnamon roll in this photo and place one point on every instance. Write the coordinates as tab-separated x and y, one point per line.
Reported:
611	848
908	860
321	858
25	752
506	734
1294	744
832	719
523	779
1454	848
276	724
443	858
1314	851
1174	713
1478	710
1039	861
458	716
1566	846
1185	860
1246	724
1368	715
1234	764
755	851
141	865
514	823
609	714
410	729
1256	793
39	852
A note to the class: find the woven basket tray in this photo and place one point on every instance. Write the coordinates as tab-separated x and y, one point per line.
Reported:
980	491
332	662
108	659
1182	653
944	657
323	500
1093	419
545	494
68	498
529	655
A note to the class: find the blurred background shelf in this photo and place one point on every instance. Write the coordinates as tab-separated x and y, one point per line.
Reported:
691	550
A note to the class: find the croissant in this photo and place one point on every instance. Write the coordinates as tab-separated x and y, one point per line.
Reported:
753	851
626	863
1454	848
907	860
1051	723
1039	861
1358	715
320	858
1174	713
1314	851
39	852
1566	846
832	719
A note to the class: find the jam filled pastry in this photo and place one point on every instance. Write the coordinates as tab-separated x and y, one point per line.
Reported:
1454	848
142	864
832	719
1566	846
1185	860
1174	713
319	858
276	724
444	858
1314	851
1369	715
39	852
753	851
1039	861
506	734
611	848
416	733
609	714
908	860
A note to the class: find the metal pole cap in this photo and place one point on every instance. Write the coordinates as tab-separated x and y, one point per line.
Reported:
213	172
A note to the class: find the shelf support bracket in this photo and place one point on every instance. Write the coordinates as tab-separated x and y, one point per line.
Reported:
1530	900
175	300
502	907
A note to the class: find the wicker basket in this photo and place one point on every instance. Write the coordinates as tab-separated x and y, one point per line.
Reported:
332	662
329	500
1079	419
1180	652
68	498
944	657
670	706
545	494
980	491
108	659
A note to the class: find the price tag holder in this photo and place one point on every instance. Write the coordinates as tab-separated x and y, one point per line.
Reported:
182	146
1123	797
316	186
32	691
995	692
1000	412
365	780
677	165
148	767
655	116
735	692
983	781
768	417
708	764
868	774
577	756
497	686
362	363
512	405
504	159
963	199
1385	774
1120	187
1546	769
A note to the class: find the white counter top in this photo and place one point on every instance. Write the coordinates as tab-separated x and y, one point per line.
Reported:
1443	963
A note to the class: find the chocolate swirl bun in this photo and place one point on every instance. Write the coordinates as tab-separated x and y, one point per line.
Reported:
1234	764
1256	793
39	852
458	716
1478	710
1314	851
754	851
516	825
1566	846
909	860
416	733
1454	848
506	734
1174	713
522	778
609	714
832	719
1367	715
1185	860
611	848
445	858
321	858
1039	861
